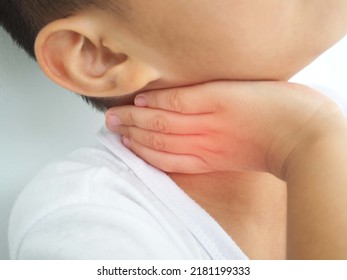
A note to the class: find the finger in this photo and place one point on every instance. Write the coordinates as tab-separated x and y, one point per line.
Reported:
170	143
158	120
185	100
171	163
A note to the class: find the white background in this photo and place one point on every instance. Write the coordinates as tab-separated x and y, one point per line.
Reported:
40	122
178	270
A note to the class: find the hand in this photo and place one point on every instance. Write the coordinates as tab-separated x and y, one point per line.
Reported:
221	126
288	130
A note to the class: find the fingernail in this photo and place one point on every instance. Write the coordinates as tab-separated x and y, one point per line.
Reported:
140	101
113	121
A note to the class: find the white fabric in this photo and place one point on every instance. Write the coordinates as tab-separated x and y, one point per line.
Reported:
106	203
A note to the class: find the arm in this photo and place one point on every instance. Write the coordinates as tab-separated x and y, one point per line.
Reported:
316	176
285	129
96	232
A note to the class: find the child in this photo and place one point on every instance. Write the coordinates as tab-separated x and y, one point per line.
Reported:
105	202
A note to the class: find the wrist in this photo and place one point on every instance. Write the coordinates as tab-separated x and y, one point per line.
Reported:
319	151
324	132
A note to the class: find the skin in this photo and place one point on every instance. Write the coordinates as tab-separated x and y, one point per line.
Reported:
193	42
259	40
301	141
97	54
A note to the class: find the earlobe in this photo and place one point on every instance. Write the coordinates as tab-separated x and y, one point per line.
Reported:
73	55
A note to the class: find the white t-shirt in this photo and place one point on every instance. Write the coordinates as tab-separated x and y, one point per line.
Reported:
106	203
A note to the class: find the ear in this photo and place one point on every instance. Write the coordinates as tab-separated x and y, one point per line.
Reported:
72	52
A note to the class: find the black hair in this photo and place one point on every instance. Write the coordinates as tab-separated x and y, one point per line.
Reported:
23	20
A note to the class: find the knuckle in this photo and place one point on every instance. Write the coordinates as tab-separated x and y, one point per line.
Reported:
159	124
153	98
130	118
155	142
175	102
156	98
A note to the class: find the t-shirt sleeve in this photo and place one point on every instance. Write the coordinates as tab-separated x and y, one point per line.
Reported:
90	206
95	232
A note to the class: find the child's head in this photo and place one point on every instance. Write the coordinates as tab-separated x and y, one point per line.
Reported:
108	48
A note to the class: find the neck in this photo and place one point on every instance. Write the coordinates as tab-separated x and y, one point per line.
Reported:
243	203
328	19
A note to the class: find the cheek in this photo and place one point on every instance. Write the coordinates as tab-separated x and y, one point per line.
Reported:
189	48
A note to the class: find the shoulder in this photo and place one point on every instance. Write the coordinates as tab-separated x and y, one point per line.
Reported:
88	206
67	182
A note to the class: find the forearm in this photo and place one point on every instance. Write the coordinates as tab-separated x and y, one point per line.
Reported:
288	130
317	200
